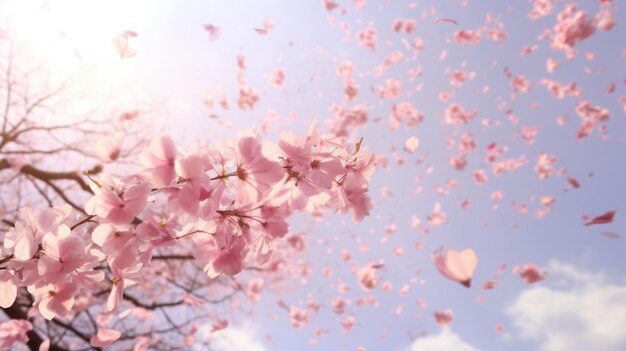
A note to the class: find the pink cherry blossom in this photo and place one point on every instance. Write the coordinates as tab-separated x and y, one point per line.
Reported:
456	115
540	9
367	276
298	317
367	38
30	228
255	173
227	261
13	331
353	195
55	300
345	120
123	276
8	289
65	254
247	97
115	202
108	148
573	26
159	161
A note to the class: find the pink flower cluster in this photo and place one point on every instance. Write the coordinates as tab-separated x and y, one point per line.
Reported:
230	202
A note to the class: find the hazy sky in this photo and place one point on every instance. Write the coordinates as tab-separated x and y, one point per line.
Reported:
581	305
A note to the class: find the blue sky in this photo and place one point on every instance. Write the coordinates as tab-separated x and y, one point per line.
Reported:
177	66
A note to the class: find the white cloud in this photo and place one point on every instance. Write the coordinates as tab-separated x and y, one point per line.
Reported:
234	338
583	312
446	340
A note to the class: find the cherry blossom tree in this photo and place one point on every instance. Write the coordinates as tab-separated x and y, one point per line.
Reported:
142	255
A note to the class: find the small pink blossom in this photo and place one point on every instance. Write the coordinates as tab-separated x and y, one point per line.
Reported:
159	161
298	317
108	148
467	37
117	203
255	173
30	228
55	300
367	38
227	261
13	331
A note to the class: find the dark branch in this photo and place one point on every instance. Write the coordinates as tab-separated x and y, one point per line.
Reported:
34	339
50	176
152	306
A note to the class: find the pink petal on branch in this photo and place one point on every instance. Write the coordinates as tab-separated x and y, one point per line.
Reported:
13	331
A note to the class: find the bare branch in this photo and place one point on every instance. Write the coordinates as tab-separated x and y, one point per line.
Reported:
152	306
49	176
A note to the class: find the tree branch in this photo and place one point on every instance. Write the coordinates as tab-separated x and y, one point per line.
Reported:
49	176
152	306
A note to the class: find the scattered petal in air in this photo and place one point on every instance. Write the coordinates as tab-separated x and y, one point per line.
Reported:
573	182
411	144
531	274
456	265
121	45
267	25
108	148
214	31
611	235
604	218
446	20
219	325
459	97
367	276
105	337
329	5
